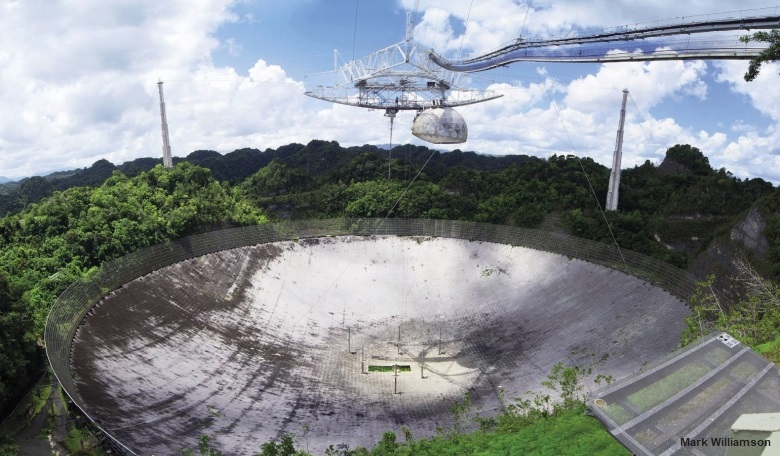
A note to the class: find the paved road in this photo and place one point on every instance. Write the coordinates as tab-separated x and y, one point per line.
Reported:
29	440
60	420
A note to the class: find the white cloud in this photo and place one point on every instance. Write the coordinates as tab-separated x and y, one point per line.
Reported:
753	155
435	30
581	117
492	23
587	111
79	84
649	84
764	91
488	25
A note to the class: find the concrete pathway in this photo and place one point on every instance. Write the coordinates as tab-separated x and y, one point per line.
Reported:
29	440
60	430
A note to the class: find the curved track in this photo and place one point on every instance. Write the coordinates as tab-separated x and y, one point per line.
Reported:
681	38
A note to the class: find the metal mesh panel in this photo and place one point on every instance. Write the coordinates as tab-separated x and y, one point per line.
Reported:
76	301
694	394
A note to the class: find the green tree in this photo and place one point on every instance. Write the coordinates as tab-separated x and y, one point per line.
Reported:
285	447
33	190
9	202
387	446
706	310
205	448
423	200
275	179
368	166
372	198
269	449
690	157
567	380
58	240
8	448
770	54
464	181
754	319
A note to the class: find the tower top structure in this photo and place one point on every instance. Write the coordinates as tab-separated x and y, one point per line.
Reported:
614	176
167	159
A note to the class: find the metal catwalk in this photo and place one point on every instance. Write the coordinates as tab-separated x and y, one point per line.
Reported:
712	36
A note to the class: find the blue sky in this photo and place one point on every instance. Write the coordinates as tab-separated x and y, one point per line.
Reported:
79	82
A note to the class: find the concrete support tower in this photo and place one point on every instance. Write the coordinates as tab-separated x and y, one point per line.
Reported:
167	160
614	176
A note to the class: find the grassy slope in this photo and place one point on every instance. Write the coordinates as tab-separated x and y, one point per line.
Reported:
569	433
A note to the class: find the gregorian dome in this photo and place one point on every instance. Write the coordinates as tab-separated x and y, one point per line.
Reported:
440	126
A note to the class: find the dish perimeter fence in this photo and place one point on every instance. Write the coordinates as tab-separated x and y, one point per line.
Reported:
77	300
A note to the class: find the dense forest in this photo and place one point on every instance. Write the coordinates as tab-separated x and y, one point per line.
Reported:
59	228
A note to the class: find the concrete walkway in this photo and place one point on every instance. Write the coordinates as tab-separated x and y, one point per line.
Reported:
57	438
30	440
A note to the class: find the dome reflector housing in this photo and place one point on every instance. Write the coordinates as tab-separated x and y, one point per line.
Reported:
440	126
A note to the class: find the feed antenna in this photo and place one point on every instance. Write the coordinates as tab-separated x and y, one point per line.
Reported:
402	77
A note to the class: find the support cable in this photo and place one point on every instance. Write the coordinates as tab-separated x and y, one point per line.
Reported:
379	226
390	149
592	190
354	31
465	28
404	192
456	75
641	127
522	28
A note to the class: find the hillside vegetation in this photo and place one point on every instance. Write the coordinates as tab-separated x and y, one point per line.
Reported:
535	425
54	242
57	229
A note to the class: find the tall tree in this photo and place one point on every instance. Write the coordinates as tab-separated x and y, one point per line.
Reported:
770	54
